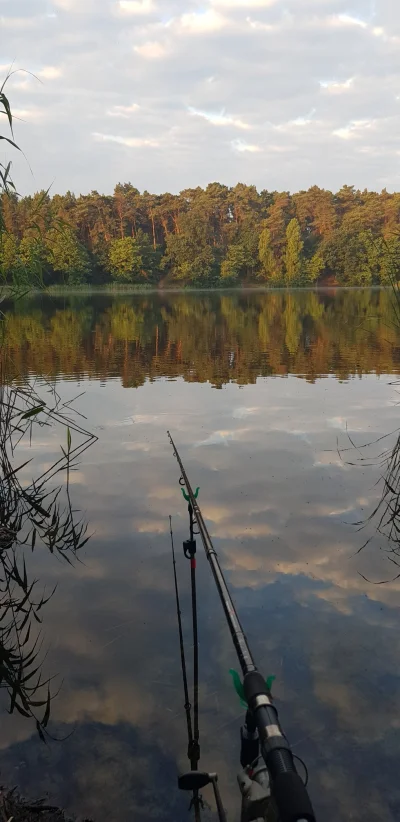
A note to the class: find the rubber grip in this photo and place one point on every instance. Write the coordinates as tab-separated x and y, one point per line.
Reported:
253	685
292	799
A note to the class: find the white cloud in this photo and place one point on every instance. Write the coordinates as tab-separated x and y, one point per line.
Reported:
353	129
131	142
136	6
241	147
243	412
308	79
217	438
280	149
257	25
220	119
123	111
298	122
151	50
17	22
27	113
50	73
78	6
244	4
347	20
335	87
302	121
202	22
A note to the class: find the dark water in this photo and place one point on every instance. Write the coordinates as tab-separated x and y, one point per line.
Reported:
299	373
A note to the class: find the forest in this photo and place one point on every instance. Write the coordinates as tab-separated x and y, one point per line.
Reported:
217	236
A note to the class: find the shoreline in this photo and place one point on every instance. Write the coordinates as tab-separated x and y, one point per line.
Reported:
88	290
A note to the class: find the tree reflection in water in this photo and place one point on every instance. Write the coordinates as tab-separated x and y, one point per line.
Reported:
32	515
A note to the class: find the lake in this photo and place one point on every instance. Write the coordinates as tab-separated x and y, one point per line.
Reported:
271	398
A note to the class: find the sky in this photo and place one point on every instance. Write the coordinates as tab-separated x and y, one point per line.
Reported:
172	94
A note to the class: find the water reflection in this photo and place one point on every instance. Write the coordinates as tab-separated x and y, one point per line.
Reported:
214	337
278	501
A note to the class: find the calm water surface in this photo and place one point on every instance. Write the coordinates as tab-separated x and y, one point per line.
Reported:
259	390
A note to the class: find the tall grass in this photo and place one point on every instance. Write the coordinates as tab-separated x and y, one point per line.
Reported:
34	514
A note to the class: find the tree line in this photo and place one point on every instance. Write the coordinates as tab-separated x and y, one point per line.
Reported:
217	338
201	237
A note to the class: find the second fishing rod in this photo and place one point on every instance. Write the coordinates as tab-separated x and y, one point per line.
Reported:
288	791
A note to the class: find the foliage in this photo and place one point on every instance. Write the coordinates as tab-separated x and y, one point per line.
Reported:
268	269
293	258
125	259
31	515
31	512
211	337
201	236
68	257
234	264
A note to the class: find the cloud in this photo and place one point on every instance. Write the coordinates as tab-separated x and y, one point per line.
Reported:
219	119
50	73
18	22
271	64
130	142
27	113
136	6
123	111
243	412
335	87
151	50
347	20
150	526
354	129
244	4
242	147
217	438
202	22
89	6
298	122
257	25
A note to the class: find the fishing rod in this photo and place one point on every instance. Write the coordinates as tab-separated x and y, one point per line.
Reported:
262	736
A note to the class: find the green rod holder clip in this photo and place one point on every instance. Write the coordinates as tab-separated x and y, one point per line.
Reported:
186	497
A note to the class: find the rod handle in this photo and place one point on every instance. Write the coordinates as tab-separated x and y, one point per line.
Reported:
292	799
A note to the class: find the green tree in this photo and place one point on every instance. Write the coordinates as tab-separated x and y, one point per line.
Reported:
293	257
389	257
312	268
189	252
67	256
150	256
269	269
234	263
125	259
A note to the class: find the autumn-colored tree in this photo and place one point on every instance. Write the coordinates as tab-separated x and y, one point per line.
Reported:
293	257
204	236
9	257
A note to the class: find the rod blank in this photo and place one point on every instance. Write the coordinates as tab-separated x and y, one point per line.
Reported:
289	793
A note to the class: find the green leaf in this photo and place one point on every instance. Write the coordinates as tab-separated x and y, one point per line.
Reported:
7	139
33	412
7	108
